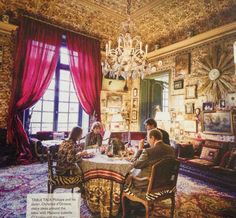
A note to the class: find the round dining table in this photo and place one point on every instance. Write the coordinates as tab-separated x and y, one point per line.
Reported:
104	178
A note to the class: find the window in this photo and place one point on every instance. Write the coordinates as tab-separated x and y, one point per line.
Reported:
59	108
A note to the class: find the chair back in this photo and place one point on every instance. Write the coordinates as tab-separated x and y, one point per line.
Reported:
164	175
123	136
52	158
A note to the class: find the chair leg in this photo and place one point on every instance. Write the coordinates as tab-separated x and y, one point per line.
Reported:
172	206
147	211
123	206
48	187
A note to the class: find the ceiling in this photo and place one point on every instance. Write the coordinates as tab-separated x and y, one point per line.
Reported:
161	22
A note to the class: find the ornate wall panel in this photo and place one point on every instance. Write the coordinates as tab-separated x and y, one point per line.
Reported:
5	77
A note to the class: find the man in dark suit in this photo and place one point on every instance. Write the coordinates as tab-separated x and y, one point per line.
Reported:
150	124
149	156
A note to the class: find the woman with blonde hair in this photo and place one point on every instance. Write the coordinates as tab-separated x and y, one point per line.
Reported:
94	137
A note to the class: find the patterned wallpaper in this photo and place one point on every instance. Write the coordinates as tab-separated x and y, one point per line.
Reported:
166	22
6	76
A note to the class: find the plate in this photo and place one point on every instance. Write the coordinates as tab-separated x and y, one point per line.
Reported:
90	155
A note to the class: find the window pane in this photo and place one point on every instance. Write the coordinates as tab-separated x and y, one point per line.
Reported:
64	96
47	117
71	125
34	127
52	85
37	106
64	55
48	106
47	126
64	86
73	97
36	117
85	121
73	117
62	118
74	107
63	107
49	95
65	75
62	127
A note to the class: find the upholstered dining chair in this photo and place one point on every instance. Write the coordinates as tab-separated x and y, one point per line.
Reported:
58	181
161	186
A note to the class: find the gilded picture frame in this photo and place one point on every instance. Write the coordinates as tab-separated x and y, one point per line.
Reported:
182	66
217	122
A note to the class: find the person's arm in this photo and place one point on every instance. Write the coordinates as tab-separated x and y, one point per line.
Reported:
99	140
87	140
142	161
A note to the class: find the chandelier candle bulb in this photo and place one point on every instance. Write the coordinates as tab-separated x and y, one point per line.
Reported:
109	46
106	49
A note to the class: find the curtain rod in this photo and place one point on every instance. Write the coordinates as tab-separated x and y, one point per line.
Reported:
60	27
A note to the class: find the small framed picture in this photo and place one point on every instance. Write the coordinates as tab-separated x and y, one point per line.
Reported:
179	84
134	115
208	106
191	92
135	92
222	104
135	103
234	118
189	108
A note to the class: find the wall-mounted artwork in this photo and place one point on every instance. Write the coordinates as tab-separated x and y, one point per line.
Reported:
208	106
219	122
134	115
190	126
114	101
135	103
191	92
179	84
182	66
189	108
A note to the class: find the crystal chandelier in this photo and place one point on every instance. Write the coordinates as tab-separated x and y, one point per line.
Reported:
128	60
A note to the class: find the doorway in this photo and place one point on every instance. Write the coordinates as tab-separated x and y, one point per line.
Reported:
154	95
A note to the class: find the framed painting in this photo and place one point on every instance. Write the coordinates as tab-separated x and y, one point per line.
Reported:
190	126
135	103
114	101
219	122
189	108
182	66
134	115
208	106
179	84
191	92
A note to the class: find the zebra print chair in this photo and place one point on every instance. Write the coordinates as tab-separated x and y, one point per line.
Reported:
161	186
58	181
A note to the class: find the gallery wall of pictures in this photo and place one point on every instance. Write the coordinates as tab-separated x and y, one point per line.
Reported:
194	97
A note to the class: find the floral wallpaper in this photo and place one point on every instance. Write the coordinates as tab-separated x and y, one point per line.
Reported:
5	76
166	22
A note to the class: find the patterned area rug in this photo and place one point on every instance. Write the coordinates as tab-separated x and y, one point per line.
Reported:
194	199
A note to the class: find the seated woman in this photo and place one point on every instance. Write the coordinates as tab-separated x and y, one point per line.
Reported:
68	156
94	137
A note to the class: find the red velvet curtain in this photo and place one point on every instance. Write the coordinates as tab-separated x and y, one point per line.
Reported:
85	65
36	58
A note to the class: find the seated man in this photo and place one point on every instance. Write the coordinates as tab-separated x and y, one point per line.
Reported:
150	124
157	151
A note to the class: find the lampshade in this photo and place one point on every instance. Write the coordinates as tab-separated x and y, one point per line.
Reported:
163	116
